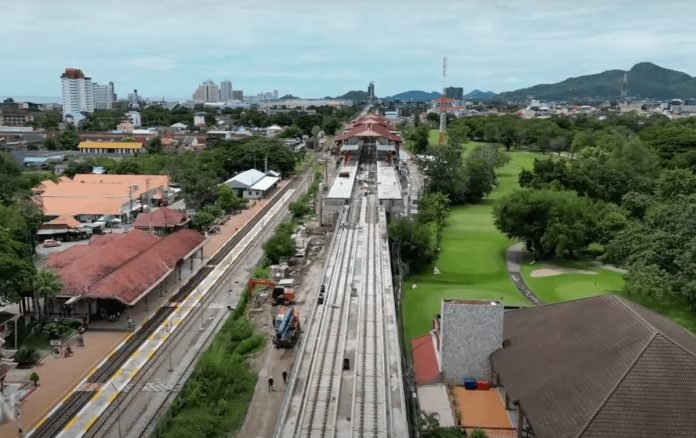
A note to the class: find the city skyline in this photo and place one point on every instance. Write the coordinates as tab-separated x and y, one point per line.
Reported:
498	46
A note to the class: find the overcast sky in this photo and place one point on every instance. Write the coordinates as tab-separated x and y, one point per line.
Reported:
314	48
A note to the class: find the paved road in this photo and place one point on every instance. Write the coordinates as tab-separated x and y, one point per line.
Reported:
513	257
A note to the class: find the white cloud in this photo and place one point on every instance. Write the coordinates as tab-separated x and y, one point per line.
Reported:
155	63
315	47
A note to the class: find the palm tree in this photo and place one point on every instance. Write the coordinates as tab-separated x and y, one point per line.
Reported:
46	284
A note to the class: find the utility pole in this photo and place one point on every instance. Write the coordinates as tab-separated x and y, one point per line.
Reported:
443	108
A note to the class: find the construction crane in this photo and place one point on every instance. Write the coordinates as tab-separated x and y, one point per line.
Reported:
282	293
443	108
287	327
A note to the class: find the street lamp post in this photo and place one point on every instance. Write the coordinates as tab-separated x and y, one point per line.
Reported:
118	412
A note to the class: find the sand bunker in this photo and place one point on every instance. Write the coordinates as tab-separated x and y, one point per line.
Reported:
552	272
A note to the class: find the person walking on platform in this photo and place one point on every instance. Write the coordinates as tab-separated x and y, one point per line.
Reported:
285	377
270	384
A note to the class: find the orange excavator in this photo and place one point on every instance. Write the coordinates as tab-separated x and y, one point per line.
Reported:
281	293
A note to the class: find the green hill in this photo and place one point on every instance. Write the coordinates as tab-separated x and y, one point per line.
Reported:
644	80
355	95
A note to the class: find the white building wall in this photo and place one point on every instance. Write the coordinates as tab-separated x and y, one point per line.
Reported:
103	95
78	96
134	118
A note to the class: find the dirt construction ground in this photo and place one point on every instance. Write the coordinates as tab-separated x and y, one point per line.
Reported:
271	362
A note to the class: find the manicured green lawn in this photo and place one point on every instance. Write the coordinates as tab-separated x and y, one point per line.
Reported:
472	258
567	287
571	286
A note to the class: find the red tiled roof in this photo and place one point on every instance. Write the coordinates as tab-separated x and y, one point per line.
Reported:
103	239
135	277
160	218
122	267
61	259
424	359
80	274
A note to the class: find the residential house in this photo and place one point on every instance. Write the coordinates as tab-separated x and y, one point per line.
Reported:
91	197
161	221
596	367
253	184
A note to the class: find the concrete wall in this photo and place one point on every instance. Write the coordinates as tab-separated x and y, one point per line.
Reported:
471	331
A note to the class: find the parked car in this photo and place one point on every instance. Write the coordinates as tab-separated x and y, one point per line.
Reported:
50	243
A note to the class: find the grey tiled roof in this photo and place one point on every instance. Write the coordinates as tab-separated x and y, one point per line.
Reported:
600	367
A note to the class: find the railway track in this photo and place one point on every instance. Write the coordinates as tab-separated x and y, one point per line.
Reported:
327	358
71	406
358	324
368	416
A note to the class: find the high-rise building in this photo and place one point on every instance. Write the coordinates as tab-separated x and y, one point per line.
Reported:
275	94
78	94
208	91
237	95
371	91
134	99
104	96
225	91
456	93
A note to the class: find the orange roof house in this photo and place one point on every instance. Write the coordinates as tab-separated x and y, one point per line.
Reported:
97	194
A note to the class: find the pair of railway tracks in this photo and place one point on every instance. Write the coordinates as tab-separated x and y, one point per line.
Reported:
61	417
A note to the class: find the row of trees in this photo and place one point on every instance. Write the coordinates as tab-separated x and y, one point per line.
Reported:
465	179
19	220
418	238
670	139
626	197
327	118
199	173
452	178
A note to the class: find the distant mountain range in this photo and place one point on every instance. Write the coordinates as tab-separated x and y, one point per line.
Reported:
480	95
416	95
644	80
355	95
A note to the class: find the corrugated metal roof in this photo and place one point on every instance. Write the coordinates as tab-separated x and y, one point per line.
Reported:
265	183
245	179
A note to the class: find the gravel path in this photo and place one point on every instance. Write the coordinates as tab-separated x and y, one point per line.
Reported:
513	258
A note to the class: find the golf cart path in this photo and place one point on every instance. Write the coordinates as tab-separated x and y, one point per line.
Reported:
513	259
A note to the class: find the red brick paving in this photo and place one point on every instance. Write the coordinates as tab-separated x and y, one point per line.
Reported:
59	376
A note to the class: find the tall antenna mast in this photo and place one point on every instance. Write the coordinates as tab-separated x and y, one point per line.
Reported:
443	109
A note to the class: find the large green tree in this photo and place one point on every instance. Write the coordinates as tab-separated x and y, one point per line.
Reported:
418	138
16	269
415	242
45	285
553	223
